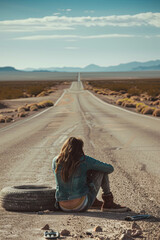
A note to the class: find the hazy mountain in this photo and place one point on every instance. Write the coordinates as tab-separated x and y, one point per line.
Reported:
149	68
125	67
8	69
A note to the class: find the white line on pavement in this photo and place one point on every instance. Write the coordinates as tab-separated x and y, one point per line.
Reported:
122	109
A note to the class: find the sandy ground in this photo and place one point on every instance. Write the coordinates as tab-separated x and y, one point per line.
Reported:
12	105
78	114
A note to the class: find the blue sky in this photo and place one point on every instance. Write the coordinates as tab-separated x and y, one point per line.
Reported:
57	33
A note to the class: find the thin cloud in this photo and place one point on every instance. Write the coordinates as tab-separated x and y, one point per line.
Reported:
65	10
74	37
71	48
89	11
70	23
56	14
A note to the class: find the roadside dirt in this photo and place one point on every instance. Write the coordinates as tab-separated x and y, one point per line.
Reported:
9	108
112	97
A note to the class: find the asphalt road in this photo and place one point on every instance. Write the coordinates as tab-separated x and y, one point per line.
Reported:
127	140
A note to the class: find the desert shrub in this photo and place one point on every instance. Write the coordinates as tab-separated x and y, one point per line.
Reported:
8	119
120	101
21	109
155	103
51	91
140	106
46	103
113	93
2	118
135	98
147	110
132	86
129	104
122	91
18	89
33	107
22	114
95	90
156	112
41	105
43	94
150	98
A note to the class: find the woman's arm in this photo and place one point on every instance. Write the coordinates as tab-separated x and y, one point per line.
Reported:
93	164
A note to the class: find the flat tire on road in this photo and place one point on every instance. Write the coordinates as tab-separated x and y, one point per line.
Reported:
27	198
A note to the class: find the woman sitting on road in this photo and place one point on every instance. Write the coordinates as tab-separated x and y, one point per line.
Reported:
79	178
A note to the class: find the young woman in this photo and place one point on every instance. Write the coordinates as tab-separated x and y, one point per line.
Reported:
79	178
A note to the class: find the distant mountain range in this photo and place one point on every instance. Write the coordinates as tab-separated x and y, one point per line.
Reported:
125	67
8	69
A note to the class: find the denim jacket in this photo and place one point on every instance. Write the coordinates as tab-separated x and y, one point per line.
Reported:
76	186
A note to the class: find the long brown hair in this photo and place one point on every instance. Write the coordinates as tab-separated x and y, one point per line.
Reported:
69	157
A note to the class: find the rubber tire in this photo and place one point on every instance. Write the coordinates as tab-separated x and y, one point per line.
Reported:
27	198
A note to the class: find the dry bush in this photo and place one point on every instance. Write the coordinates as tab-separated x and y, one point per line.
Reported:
2	118
26	95
34	107
150	98
31	107
51	91
122	91
46	103
22	114
21	109
5	119
95	90
127	95
126	102
120	101
113	93
41	105
140	106
156	112
135	98
8	119
132	86
129	104
155	103
21	89
147	110
43	94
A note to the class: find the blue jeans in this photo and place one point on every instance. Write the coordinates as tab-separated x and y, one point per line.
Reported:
96	180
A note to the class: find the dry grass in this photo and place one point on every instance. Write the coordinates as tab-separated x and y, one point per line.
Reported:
46	103
126	102
20	89
136	87
155	103
129	104
140	106
33	107
23	110
2	118
147	110
22	114
121	101
156	112
5	119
